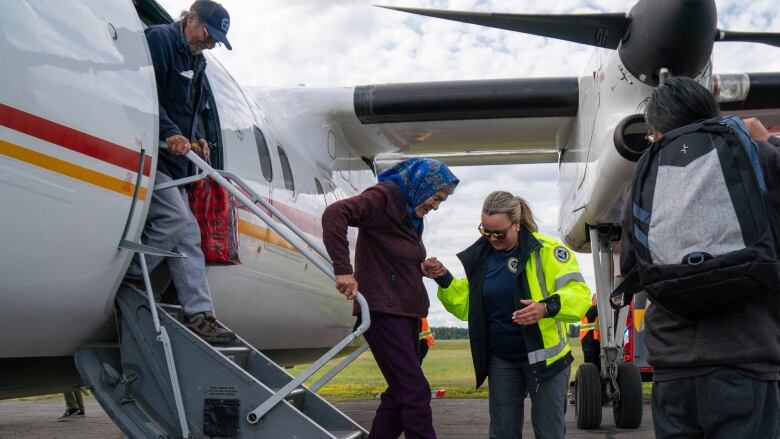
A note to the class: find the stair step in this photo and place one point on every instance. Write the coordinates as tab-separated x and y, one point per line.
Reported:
174	311
347	434
237	354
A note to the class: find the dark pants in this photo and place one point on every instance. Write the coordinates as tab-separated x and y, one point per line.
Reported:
591	351
723	404
406	403
423	350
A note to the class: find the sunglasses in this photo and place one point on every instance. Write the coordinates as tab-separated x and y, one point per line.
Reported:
498	234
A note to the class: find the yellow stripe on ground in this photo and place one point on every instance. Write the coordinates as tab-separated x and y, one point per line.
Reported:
69	169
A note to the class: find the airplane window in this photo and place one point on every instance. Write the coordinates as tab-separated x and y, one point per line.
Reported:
289	184
265	155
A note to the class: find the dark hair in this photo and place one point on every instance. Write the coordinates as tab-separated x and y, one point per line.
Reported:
679	102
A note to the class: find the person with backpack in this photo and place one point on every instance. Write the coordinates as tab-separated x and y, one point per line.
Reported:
700	237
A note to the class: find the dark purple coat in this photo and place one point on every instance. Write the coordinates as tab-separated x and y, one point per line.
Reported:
388	252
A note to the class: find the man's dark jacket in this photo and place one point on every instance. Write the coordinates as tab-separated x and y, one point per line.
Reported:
181	90
746	338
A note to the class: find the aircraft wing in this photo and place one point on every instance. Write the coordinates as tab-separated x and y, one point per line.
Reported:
500	121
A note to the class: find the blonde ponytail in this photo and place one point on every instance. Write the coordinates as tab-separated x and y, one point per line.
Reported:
515	207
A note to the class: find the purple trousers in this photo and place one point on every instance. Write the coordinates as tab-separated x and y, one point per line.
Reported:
406	403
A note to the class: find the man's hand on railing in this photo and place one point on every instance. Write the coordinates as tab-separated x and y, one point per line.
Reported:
178	144
347	285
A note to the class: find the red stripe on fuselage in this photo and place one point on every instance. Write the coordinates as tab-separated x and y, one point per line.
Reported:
72	139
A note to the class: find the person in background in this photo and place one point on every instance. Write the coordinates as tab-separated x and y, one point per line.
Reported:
426	338
74	406
388	257
590	335
521	289
179	69
715	375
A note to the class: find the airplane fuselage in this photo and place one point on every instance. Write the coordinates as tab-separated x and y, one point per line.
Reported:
78	111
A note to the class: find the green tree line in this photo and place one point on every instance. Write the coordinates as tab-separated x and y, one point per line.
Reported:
450	333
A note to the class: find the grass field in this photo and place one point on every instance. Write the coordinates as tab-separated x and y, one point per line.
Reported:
448	366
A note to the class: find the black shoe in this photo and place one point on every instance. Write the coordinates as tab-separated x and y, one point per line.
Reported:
71	414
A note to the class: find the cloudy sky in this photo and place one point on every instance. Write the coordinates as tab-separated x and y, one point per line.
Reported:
327	43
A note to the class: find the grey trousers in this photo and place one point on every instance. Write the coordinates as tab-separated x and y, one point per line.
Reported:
721	405
171	226
509	383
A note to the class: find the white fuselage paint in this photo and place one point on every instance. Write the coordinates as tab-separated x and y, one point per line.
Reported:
65	205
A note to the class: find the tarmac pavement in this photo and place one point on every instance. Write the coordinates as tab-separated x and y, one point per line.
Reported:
453	419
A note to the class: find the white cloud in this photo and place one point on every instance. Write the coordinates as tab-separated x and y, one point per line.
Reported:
350	42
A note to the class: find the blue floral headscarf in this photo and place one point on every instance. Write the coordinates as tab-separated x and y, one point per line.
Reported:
419	179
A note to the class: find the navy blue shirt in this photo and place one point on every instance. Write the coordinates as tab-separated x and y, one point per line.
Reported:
506	337
181	90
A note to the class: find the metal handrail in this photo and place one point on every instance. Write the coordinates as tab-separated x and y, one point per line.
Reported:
270	207
255	415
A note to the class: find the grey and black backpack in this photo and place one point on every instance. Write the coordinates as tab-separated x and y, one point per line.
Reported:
702	226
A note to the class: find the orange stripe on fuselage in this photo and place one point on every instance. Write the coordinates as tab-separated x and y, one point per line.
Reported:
71	170
263	234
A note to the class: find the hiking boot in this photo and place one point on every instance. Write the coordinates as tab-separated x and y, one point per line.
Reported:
206	326
71	414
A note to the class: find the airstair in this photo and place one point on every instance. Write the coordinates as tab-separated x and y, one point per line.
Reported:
163	381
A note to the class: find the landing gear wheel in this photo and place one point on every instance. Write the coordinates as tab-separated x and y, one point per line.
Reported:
628	409
587	397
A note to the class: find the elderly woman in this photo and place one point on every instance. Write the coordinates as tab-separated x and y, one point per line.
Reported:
388	259
521	289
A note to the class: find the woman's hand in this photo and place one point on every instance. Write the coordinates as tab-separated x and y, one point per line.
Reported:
347	285
433	268
532	313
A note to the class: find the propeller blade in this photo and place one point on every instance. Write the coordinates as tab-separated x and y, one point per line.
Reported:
773	39
600	30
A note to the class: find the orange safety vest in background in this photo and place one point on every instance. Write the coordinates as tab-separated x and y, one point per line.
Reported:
586	326
425	332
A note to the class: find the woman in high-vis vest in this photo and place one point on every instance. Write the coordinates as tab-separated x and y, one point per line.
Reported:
520	291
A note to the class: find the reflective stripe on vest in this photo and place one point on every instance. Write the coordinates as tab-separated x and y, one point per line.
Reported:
425	331
586	327
543	354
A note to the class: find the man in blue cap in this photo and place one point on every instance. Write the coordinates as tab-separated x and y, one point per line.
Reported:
179	69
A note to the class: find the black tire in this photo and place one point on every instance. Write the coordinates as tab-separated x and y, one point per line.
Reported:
587	397
628	409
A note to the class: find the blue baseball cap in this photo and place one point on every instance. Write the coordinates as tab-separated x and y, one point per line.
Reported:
216	19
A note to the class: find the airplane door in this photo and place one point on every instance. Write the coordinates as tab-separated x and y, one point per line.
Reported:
245	148
78	111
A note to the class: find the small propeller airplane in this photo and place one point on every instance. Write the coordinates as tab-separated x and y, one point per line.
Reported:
78	153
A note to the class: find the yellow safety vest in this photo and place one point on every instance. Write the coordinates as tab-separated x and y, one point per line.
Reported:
549	270
586	326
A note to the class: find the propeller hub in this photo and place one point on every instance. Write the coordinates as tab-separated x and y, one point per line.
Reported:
675	34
